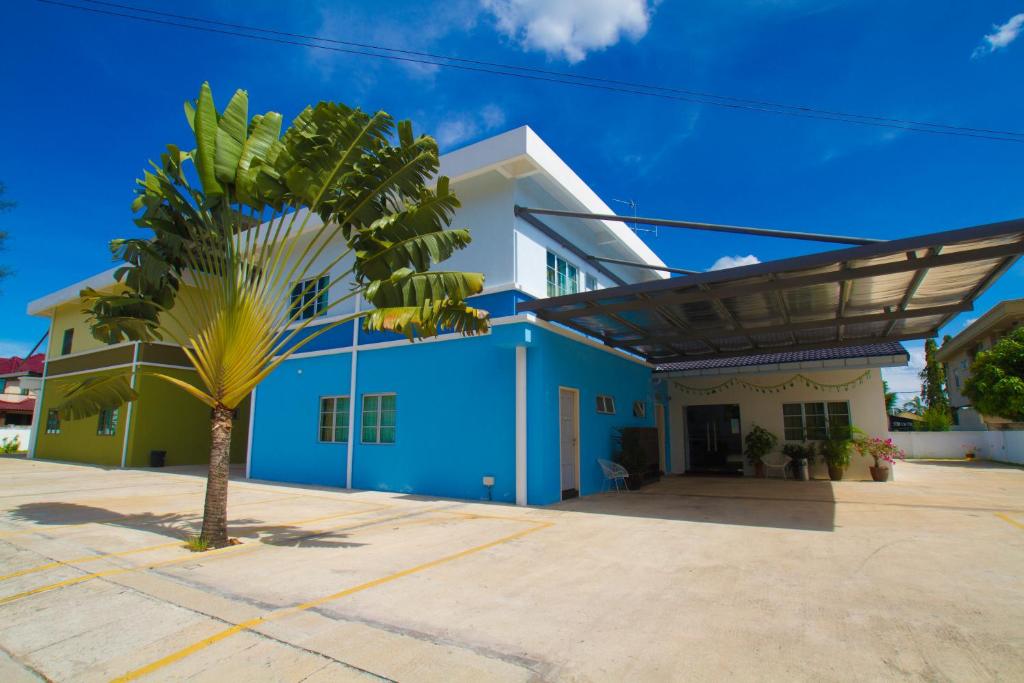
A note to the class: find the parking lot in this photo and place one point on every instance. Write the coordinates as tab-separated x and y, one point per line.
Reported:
689	579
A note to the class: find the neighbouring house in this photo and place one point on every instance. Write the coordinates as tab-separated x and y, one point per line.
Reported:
20	379
590	334
904	421
958	353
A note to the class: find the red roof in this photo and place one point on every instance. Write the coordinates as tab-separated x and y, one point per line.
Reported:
26	404
14	365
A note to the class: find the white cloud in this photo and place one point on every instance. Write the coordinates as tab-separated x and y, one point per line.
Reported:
570	28
906	380
462	127
734	262
1004	35
968	323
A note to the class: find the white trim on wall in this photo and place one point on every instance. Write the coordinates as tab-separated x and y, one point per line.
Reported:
521	407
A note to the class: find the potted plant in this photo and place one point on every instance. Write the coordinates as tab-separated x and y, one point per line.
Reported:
969	451
759	442
835	450
882	451
801	454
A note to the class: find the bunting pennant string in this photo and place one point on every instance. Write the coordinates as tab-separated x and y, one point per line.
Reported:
795	381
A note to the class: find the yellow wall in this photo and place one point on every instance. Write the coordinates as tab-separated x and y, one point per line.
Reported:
867	408
78	441
169	419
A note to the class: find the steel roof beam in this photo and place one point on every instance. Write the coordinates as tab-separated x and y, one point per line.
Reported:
814	324
830	344
711	227
677	298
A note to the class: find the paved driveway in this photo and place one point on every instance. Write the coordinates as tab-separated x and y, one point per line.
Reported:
690	579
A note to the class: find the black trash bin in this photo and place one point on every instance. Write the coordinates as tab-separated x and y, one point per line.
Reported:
157	458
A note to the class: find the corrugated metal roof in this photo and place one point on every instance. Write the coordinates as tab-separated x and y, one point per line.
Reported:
883	292
840	353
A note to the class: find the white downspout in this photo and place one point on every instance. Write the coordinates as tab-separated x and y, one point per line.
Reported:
252	424
33	435
128	412
520	425
352	399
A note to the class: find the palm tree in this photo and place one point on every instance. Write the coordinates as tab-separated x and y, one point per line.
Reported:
334	198
890	398
915	406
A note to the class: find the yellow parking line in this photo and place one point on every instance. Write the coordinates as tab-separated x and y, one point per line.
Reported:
88	558
251	623
1006	518
238	550
190	556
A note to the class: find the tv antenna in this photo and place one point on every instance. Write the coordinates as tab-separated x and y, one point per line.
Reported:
632	204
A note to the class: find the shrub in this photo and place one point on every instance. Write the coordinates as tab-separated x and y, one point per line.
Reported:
759	443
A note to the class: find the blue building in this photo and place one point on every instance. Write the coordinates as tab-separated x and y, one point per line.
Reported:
521	414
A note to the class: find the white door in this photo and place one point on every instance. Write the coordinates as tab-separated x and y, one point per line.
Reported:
568	439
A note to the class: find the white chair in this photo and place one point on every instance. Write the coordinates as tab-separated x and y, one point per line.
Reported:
613	472
776	461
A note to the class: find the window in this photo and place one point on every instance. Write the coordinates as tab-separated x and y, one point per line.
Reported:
639	409
65	345
563	278
379	418
334	419
309	298
606	404
590	282
52	422
106	425
814	421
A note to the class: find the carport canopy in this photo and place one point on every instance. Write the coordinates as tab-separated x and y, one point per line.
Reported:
885	291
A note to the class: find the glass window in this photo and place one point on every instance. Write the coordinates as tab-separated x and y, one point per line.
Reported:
106	425
793	421
563	277
606	404
815	421
639	409
334	419
65	345
590	283
309	298
52	422
379	418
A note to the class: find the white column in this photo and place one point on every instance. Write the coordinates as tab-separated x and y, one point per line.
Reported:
520	425
252	424
128	410
352	399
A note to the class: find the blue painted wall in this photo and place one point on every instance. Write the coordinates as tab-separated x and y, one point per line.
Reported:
455	415
555	361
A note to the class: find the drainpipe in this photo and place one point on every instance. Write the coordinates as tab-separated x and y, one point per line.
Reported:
520	425
352	399
33	436
131	404
252	424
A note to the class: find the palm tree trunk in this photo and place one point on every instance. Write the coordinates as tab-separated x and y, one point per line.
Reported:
215	513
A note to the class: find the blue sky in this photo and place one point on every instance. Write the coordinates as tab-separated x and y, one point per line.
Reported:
89	99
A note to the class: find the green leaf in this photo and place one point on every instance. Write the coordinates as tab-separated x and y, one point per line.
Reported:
88	397
428	319
231	132
406	288
206	142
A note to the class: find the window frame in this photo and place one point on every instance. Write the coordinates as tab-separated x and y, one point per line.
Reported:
827	414
107	427
590	283
67	341
640	409
297	298
378	412
334	420
605	404
50	428
552	274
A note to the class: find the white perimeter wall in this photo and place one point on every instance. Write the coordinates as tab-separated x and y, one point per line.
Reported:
23	434
1007	446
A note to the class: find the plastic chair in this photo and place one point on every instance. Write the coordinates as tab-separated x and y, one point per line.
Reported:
776	461
613	472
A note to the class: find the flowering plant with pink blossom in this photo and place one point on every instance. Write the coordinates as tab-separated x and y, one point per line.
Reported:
881	450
